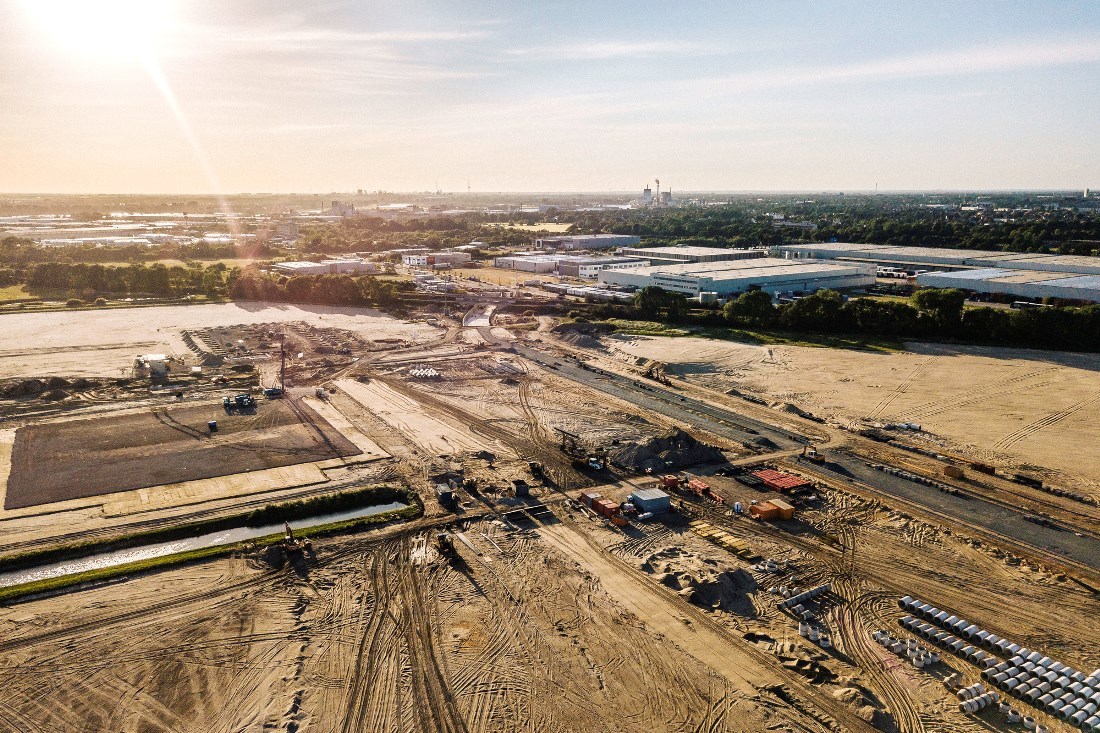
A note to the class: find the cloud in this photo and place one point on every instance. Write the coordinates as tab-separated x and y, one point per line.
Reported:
613	49
962	62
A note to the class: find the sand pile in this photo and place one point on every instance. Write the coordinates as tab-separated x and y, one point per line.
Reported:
702	582
676	449
581	340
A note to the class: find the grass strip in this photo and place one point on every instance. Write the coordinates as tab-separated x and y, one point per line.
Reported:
15	592
270	514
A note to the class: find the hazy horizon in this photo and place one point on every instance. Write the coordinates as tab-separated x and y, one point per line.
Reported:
161	98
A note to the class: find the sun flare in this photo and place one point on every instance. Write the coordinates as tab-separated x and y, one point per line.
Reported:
104	28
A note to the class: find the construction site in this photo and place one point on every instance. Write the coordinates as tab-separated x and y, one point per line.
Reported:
612	534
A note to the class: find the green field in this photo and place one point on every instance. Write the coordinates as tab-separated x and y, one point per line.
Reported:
13	292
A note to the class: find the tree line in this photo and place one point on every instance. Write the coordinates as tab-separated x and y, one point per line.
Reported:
931	313
157	280
344	290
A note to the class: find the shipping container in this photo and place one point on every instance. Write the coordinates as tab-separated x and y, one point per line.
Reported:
764	510
606	507
588	497
786	511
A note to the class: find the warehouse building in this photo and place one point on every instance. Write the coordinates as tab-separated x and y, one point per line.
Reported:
1026	284
436	259
725	278
684	254
587	241
951	259
566	265
326	267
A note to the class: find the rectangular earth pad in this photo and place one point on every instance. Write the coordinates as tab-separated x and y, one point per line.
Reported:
81	458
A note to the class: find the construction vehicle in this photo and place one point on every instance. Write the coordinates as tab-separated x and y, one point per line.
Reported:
292	544
445	544
535	468
273	392
582	458
654	372
810	453
243	401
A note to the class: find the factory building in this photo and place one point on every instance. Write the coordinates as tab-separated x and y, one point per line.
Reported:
682	254
325	267
566	265
587	241
1026	284
725	278
436	259
952	259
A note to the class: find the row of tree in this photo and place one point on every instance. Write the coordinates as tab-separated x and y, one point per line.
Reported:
155	280
346	290
930	313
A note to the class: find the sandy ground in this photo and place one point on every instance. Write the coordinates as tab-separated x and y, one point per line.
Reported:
1016	406
553	621
73	459
562	626
104	342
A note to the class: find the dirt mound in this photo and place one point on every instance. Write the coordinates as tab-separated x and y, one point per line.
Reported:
676	449
57	383
26	388
55	395
861	702
790	409
702	582
581	340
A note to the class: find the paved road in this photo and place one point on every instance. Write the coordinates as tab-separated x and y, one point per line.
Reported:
976	511
971	510
682	408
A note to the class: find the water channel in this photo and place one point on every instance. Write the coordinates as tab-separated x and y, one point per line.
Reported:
160	549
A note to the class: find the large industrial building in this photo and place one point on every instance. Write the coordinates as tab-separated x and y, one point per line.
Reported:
587	241
436	259
925	257
725	278
683	254
1025	284
325	267
566	265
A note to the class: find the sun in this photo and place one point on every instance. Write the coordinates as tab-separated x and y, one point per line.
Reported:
104	28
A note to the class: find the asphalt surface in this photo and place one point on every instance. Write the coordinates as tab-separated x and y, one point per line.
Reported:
728	424
973	510
651	396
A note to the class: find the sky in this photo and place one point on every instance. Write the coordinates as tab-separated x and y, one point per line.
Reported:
209	96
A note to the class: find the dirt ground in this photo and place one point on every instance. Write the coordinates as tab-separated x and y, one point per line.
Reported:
547	617
554	625
94	343
71	459
1012	406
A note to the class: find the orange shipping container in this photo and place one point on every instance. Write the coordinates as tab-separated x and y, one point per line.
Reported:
764	510
605	507
786	511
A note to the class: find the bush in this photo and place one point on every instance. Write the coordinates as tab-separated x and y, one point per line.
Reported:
101	301
74	303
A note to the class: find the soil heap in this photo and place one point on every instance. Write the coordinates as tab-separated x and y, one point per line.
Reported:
675	449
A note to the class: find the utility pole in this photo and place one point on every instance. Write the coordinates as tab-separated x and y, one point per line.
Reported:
282	366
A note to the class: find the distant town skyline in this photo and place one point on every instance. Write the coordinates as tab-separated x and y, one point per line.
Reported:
198	96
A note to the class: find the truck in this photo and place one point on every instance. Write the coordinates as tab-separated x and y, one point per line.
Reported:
243	401
273	392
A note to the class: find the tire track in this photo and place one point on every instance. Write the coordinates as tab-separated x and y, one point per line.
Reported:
901	389
972	396
1045	422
